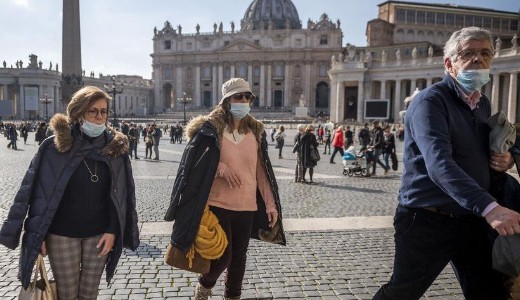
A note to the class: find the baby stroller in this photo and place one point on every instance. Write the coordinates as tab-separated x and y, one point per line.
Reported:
354	163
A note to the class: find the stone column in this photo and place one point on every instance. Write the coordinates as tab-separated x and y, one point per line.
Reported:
262	86
495	92
340	98
334	100
413	85
513	95
307	85
217	93
287	90
220	82
250	74
429	81
41	106
55	104
269	100
196	98
5	94
397	99
360	101
232	68
383	90
20	114
179	88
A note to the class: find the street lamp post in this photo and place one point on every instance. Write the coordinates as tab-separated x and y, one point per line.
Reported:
46	101
113	89
184	99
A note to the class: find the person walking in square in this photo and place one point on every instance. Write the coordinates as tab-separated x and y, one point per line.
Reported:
156	134
226	166
307	141
81	206
296	150
364	136
446	213
12	135
280	140
338	142
133	137
388	145
148	142
376	145
326	140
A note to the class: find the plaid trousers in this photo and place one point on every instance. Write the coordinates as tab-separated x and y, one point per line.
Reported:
76	266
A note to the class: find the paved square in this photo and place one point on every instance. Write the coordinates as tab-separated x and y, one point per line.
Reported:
340	239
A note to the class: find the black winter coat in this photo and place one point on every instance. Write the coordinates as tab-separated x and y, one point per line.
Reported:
306	141
195	177
44	184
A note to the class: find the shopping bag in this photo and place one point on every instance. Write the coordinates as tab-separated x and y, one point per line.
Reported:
39	289
176	258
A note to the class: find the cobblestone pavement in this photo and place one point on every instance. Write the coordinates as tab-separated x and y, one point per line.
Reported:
327	264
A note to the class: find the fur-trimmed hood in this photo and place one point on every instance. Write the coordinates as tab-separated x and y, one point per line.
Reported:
216	118
117	143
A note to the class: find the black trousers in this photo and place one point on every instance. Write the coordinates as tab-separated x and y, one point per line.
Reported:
237	225
425	242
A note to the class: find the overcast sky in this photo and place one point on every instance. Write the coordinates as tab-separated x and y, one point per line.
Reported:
116	35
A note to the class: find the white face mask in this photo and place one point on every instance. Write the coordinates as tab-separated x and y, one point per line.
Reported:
93	129
473	80
240	110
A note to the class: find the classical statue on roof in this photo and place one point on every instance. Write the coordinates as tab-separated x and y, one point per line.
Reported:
324	23
167	28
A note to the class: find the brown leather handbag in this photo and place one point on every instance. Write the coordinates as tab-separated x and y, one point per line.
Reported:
176	258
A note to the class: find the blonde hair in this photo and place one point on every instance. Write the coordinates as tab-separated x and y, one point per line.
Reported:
82	100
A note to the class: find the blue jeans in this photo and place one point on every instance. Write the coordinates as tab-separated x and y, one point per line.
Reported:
386	158
375	159
425	242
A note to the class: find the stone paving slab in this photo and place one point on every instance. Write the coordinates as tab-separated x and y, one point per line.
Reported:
314	265
332	251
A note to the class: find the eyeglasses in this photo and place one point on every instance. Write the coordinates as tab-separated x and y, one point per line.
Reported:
240	96
93	113
486	54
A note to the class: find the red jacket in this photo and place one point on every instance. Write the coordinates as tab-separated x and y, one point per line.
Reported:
339	139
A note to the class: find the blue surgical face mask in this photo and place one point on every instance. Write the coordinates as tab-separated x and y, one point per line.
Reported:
93	129
473	80
240	110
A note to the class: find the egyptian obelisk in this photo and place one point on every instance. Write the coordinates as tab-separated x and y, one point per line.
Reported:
71	50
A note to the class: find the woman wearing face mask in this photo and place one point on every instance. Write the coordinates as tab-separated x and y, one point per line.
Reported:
80	195
224	165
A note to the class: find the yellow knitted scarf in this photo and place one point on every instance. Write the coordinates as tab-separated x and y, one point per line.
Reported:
211	240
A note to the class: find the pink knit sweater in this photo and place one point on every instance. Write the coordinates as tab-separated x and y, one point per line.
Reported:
240	154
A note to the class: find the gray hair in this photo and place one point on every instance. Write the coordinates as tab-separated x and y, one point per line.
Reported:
301	127
452	46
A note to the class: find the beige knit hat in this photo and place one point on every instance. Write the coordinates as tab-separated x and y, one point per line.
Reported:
234	86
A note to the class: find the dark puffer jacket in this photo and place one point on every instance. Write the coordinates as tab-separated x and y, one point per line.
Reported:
196	174
44	184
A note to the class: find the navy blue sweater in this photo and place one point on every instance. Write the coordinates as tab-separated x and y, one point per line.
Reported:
446	152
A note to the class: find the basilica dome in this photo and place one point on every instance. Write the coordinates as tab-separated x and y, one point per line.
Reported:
279	14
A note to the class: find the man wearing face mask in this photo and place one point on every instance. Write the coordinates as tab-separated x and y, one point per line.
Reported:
223	166
445	211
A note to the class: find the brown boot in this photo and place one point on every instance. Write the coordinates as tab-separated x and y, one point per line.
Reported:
202	293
